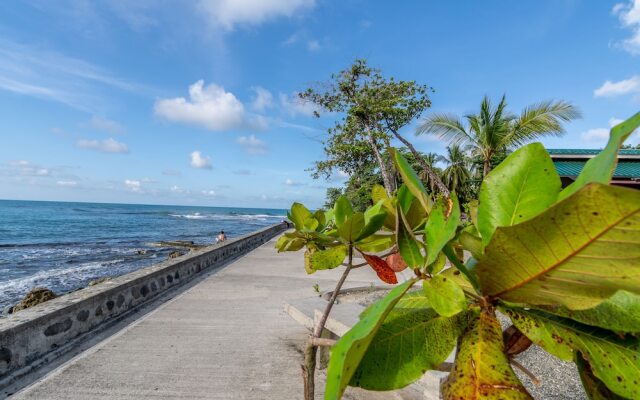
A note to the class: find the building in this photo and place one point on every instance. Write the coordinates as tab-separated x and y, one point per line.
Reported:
569	163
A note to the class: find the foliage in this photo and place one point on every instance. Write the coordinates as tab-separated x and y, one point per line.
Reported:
495	129
563	265
371	108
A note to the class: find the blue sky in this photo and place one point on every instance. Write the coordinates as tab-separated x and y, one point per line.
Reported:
173	102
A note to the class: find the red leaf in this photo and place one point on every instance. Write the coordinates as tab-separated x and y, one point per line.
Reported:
396	262
385	273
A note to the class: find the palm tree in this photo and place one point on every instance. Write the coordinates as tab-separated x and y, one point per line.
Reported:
457	172
495	129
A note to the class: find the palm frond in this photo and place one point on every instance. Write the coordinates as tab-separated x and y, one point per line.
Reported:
542	119
446	126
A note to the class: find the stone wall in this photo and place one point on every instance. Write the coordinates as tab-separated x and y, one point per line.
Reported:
32	337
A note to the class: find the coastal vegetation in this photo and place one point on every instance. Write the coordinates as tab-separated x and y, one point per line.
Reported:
561	263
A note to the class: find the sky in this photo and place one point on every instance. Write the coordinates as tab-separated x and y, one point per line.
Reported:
194	102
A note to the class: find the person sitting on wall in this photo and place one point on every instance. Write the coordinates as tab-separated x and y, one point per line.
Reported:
221	237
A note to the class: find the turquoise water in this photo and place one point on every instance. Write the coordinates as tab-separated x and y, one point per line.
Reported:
63	246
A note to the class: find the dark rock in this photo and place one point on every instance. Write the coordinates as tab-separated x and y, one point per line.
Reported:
120	300
144	291
175	254
33	298
142	252
110	305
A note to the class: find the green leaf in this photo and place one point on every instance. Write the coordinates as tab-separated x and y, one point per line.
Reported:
441	229
470	241
416	216
342	210
328	259
521	187
409	342
374	218
351	227
619	313
614	361
349	350
594	387
321	217
578	253
405	198
408	246
378	193
481	369
600	168
376	243
444	295
438	264
298	215
411	179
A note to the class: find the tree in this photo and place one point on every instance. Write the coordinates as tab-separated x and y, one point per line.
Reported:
458	170
536	254
494	129
373	109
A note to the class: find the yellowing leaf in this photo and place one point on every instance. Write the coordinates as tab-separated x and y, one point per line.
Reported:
577	253
481	369
444	295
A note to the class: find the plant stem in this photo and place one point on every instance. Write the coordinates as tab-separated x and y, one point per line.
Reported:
386	177
309	366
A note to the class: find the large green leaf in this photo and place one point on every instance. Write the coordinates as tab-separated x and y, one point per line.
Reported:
470	241
578	253
615	361
342	210
404	198
522	186
299	215
408	246
481	369
594	387
444	295
440	228
411	179
409	342
600	168
619	313
349	350
351	227
327	259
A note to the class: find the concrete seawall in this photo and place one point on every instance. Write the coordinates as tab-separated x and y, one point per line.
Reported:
35	336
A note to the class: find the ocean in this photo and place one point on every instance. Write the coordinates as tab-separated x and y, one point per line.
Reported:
63	246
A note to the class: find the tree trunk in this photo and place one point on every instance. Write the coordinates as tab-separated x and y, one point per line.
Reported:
487	167
386	177
433	177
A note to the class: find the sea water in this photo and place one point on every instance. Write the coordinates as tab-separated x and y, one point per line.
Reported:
63	246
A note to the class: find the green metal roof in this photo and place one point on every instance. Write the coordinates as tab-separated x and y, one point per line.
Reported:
573	168
626	152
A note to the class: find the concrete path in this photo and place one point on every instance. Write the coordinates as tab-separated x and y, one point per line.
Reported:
225	338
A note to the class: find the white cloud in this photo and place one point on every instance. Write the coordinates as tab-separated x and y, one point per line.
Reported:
252	144
200	161
599	135
291	182
229	13
68	183
210	107
209	193
38	72
105	125
262	99
313	45
176	189
134	185
595	135
105	146
629	15
626	86
27	168
294	105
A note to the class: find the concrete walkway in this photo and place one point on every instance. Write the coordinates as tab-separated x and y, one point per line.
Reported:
225	338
